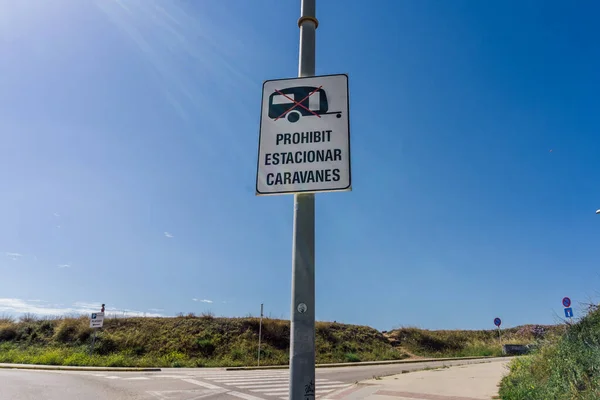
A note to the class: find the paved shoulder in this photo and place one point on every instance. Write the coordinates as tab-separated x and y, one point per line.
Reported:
468	382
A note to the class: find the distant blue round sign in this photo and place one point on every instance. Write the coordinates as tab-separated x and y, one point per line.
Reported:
497	322
566	302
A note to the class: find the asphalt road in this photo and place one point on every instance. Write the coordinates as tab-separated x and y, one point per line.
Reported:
187	384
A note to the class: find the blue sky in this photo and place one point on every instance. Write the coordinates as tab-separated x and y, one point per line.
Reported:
129	132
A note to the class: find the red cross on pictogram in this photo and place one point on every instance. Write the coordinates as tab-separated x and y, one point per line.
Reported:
298	103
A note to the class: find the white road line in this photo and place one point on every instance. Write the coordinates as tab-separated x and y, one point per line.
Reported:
203	384
112	377
239	373
137	378
268	384
272	386
320	388
172	376
245	396
242	376
250	380
280	393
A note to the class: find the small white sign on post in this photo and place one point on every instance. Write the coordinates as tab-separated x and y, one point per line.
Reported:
304	143
97	320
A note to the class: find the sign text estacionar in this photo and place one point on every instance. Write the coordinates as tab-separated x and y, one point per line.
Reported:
308	157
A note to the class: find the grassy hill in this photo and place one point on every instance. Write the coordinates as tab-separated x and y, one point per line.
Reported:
180	342
192	341
446	343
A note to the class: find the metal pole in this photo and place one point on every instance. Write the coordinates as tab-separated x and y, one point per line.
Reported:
499	339
260	332
93	342
302	333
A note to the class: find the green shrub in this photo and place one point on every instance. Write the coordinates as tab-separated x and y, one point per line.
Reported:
7	332
566	369
116	360
105	345
206	346
46	328
351	357
50	357
78	359
66	331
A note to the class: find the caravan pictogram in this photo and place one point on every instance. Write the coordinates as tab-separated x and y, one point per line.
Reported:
313	102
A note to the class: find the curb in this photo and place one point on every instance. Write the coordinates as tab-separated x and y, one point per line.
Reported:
68	368
365	364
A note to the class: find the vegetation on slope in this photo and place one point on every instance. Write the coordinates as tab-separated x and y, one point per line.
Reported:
445	343
180	342
567	368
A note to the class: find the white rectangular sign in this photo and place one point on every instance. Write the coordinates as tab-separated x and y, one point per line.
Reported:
97	320
304	142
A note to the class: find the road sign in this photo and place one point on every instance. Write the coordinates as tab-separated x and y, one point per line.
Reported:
568	312
497	322
566	302
304	142
97	320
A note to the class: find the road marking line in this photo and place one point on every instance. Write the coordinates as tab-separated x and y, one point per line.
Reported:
245	396
281	392
203	384
271	386
137	378
248	377
319	389
250	382
285	379
274	384
112	377
261	385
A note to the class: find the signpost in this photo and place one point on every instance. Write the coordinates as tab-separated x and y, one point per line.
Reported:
566	302
304	148
260	332
96	321
498	322
568	312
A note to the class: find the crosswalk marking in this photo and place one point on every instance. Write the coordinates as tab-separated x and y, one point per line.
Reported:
269	384
203	384
246	385
283	378
245	396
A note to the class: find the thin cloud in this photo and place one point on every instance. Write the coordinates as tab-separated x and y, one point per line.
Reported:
64	266
203	300
44	308
56	214
156	310
14	256
169	235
